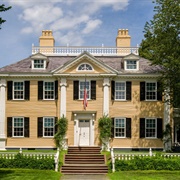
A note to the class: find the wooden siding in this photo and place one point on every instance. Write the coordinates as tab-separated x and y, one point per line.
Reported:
133	109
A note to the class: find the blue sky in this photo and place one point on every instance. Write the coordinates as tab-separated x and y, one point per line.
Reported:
76	22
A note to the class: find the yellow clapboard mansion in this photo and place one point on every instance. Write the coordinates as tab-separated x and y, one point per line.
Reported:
49	84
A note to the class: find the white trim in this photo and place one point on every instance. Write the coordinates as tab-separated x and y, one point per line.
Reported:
137	65
50	127
120	137
77	69
120	91
89	98
44	64
106	86
46	81
19	127
2	113
19	81
63	102
151	91
151	128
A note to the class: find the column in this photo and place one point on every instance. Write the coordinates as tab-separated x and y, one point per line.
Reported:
2	113
63	85
106	85
167	118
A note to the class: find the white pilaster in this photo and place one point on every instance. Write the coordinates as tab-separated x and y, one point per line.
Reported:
63	85
106	85
167	118
2	113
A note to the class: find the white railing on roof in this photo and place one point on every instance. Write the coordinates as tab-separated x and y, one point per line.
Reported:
76	50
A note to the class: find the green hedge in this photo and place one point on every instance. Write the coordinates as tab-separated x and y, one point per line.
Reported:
21	161
148	163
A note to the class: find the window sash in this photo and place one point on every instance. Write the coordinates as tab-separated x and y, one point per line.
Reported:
85	67
151	128
119	127
49	90
151	91
81	89
18	90
38	64
130	64
48	126
18	127
120	91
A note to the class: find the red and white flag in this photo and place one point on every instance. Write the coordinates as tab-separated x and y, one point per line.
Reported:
85	96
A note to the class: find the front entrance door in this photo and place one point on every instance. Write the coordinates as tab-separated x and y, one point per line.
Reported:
83	129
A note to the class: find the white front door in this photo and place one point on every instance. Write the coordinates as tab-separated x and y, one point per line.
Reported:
83	129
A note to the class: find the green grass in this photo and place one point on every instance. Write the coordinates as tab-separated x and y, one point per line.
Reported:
145	175
22	174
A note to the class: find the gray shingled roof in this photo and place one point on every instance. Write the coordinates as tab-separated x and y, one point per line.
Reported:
54	62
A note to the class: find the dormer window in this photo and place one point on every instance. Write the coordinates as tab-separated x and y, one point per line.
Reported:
39	61
131	64
39	64
85	67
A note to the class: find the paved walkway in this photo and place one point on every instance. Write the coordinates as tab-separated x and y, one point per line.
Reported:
84	177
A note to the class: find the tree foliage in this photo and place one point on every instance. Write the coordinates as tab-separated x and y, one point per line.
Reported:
2	9
62	126
161	45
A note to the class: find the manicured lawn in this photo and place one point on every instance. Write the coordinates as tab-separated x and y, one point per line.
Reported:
145	175
26	174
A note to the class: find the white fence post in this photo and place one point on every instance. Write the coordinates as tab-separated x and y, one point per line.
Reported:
56	160
113	160
150	152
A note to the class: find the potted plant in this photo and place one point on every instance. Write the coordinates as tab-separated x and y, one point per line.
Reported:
59	137
104	125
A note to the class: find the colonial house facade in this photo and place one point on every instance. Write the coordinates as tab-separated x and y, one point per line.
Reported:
35	92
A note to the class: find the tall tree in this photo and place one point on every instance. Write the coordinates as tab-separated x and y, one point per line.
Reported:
161	44
2	9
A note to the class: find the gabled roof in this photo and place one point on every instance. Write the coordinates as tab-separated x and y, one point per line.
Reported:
85	56
111	64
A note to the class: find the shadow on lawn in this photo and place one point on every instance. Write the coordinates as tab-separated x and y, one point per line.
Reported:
4	173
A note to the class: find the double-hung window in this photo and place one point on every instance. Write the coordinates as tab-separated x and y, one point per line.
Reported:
82	86
48	126
18	90
150	126
120	91
151	90
120	127
39	64
49	90
79	87
131	64
18	127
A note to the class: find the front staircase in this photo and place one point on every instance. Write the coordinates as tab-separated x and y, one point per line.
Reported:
84	160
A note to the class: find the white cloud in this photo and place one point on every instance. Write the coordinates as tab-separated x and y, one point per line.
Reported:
91	25
69	18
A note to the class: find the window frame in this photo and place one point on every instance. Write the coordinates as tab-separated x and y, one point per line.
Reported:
44	82
13	126
124	82
52	118
155	133
126	65
33	64
85	64
82	90
119	118
155	91
19	90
